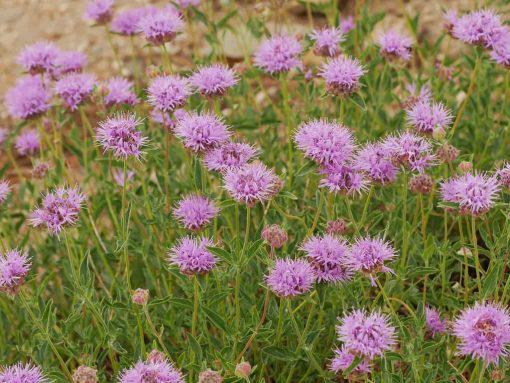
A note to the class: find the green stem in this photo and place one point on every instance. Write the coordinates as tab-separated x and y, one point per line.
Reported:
196	298
477	259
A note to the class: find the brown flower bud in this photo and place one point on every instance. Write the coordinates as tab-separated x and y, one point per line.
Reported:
85	374
336	227
274	235
210	376
140	297
421	184
465	166
447	153
243	370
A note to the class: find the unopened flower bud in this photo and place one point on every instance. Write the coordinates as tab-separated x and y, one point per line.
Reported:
438	133
40	169
210	376
421	184
243	370
447	153
85	374
156	356
497	375
152	71
465	166
275	236
140	297
336	227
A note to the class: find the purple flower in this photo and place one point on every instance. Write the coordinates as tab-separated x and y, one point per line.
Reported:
229	156
22	373
343	359
201	132
28	143
126	22
191	255
290	277
500	52
251	183
366	335
421	94
504	175
28	98
475	193
213	80
343	179
342	75
393	45
482	27
162	118
5	189
375	161
118	176
450	19
327	41
347	24
195	211
410	150
120	92
167	93
99	11
433	320
277	54
160	26
40	57
326	143
70	61
183	4
14	267
120	135
426	117
483	331
157	371
327	255
367	255
58	209
75	88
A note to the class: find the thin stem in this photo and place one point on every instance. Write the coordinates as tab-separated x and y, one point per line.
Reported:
474	242
288	127
280	320
196	298
125	228
404	222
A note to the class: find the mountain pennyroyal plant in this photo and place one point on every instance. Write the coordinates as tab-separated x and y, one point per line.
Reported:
421	183
40	169
191	255
410	150
327	41
326	143
435	325
427	117
229	155
120	135
342	75
366	335
40	57
159	371
327	255
450	19
374	160
120	91
278	54
5	189
160	26
290	277
504	175
167	93
118	176
474	193
343	179
251	183
22	373
210	376
28	142
183	4
347	24
213	80
85	374
483	331
195	211
368	256
75	88
99	11
481	27
274	235
28	98
70	61
201	132
417	94
14	267
126	22
393	45
59	209
343	359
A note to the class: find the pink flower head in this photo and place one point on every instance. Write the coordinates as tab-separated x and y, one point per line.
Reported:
5	189
504	175
229	155
195	211
126	22
161	25
410	150
426	117
450	18
40	57
368	255
274	235
290	277
327	255
347	24
277	54
58	209
191	255
327	41
167	93
213	80
157	371
28	143
14	267
201	132
483	331
343	359
251	183
99	11
366	335
22	373
162	118
120	91
326	143
342	75
474	193
500	52
481	27
118	176
393	45
75	88
343	179
28	98
70	61
183	4
433	320
120	135
422	94
374	160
